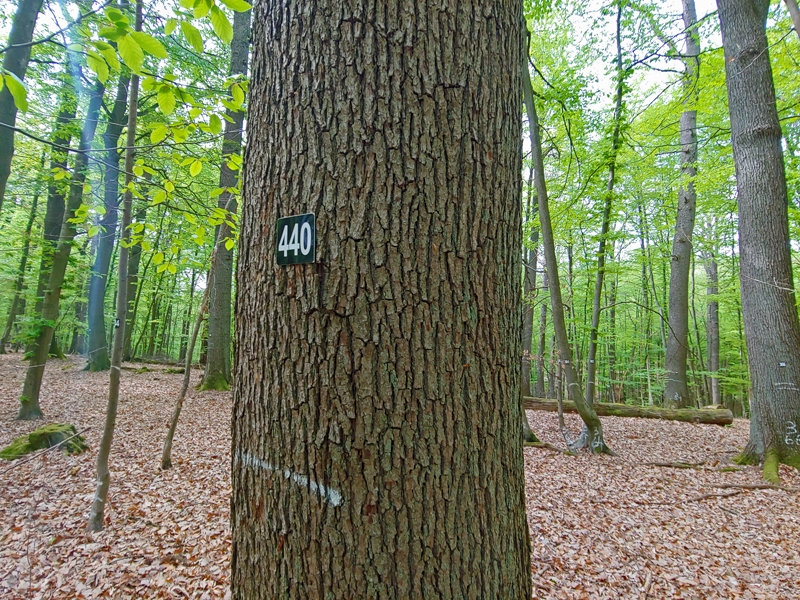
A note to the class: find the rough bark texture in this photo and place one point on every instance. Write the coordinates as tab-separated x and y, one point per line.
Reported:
676	388
690	415
593	425
794	12
771	326
15	60
29	400
217	373
98	345
377	448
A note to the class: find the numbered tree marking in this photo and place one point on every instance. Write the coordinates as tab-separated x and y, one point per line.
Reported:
296	240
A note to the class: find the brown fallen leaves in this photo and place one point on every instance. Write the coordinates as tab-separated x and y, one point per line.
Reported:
601	527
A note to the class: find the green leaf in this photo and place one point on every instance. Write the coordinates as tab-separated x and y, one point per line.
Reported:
93	231
169	186
237	5
18	91
214	124
192	35
170	26
159	197
238	94
222	27
131	53
158	134
190	218
149	44
110	54
145	245
196	167
98	65
229	243
158	258
111	33
201	8
116	16
172	268
166	100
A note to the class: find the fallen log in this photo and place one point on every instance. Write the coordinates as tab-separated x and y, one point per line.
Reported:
688	415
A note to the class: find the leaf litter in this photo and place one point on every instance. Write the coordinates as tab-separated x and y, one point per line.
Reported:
601	526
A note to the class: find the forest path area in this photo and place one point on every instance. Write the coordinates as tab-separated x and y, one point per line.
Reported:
601	527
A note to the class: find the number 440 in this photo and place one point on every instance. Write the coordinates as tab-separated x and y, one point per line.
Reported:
298	241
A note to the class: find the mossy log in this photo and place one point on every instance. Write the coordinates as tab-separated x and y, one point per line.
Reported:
689	415
45	437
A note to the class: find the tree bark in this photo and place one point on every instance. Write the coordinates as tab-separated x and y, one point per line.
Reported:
588	415
18	302
539	387
794	12
690	415
29	400
217	374
97	509
676	387
712	328
98	349
15	60
377	447
132	290
772	329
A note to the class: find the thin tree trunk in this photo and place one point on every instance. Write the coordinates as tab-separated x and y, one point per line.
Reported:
133	289
794	12
530	258
15	60
771	324
539	388
712	328
187	321
217	374
591	360
29	400
18	302
377	447
98	349
676	388
588	415
103	474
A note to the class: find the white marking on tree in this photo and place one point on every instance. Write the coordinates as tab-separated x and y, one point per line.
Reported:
329	494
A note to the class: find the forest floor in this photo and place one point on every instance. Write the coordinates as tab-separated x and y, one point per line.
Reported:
601	527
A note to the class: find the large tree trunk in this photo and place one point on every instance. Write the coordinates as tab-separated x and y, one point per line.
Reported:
29	400
377	447
15	60
794	12
217	375
98	348
18	302
588	415
771	326
676	388
712	329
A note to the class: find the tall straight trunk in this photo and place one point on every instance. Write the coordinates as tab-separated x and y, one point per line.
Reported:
98	349
187	320
771	324
29	400
78	343
605	227
132	289
539	389
56	190
18	302
97	509
15	60
529	261
676	388
712	328
395	469
217	375
616	385
794	12
590	419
